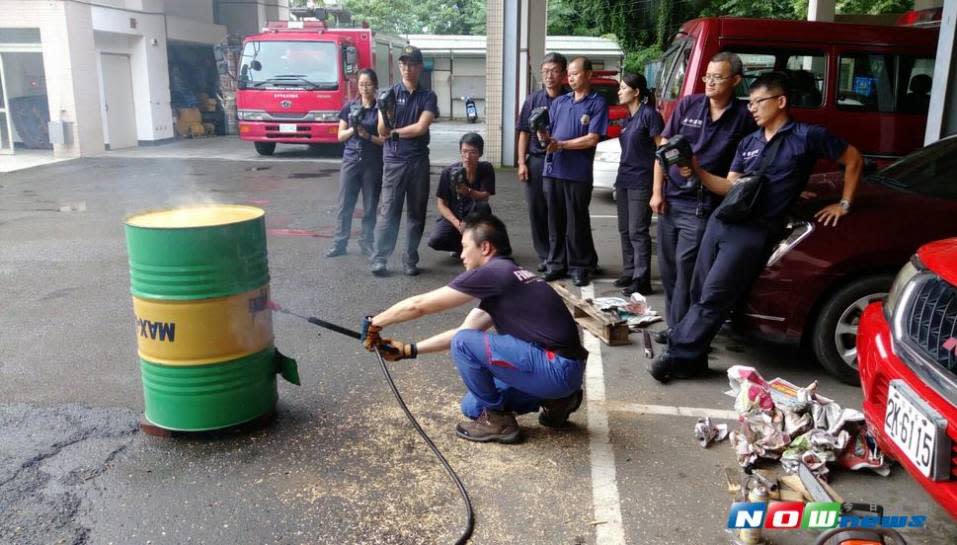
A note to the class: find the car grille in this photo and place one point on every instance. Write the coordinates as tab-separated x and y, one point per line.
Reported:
302	131
287	115
953	457
932	322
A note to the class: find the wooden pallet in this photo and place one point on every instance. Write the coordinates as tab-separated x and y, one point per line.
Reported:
607	326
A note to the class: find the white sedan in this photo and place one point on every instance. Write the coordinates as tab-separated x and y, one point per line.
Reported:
605	166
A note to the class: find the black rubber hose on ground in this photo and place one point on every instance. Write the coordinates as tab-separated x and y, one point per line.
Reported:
470	524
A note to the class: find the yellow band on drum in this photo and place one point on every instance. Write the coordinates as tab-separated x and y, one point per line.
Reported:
205	331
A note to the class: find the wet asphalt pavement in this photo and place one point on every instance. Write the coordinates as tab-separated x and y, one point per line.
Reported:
339	465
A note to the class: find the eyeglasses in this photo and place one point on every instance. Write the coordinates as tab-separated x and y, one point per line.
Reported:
470	152
367	85
753	104
715	78
551	71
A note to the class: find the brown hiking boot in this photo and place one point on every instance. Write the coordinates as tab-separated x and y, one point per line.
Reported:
490	426
555	412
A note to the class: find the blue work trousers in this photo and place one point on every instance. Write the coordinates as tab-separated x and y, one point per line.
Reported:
570	244
679	235
537	206
730	258
445	237
364	175
503	373
634	219
407	183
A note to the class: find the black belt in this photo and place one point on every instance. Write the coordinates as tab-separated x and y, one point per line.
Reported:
539	155
579	354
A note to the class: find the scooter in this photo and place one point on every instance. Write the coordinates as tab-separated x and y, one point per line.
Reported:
471	110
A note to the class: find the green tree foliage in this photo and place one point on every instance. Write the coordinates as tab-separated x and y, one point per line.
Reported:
643	28
417	16
874	7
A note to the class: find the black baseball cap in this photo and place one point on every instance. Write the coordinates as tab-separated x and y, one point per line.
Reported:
411	53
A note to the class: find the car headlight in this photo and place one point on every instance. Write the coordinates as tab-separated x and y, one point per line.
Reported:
609	157
799	231
251	115
908	272
323	116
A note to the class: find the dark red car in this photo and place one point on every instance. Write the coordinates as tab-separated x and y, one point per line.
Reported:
908	366
603	83
819	279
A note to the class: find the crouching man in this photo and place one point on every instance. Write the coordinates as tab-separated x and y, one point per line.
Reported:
535	359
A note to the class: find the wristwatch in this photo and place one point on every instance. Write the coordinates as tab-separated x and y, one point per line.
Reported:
846	205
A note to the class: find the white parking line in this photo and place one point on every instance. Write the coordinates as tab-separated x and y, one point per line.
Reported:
604	482
668	410
604	216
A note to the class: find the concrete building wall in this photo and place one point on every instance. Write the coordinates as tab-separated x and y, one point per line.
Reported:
145	43
72	88
200	11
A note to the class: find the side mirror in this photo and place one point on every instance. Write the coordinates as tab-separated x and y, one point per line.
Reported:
350	57
256	65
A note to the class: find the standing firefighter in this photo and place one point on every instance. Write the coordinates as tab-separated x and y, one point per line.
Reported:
641	132
737	240
535	359
713	124
405	114
361	166
578	121
531	151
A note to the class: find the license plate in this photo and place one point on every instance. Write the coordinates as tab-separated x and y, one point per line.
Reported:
918	430
287	127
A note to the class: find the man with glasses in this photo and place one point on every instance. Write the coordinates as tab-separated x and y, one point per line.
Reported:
406	167
733	253
713	123
464	189
531	152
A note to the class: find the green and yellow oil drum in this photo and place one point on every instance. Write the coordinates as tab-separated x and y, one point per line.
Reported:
200	284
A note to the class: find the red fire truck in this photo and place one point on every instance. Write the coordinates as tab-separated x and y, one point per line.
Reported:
295	76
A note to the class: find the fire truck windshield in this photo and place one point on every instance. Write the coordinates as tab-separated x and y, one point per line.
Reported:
290	64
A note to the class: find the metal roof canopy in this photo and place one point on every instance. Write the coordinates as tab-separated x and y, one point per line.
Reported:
477	45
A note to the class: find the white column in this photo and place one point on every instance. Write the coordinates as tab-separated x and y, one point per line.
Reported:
535	29
494	24
69	59
511	61
820	10
515	47
942	116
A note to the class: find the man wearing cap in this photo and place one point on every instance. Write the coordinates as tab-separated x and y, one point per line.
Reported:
406	166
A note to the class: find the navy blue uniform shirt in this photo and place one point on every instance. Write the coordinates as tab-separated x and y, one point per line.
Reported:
521	304
638	148
801	146
484	181
408	110
713	142
534	100
570	119
359	148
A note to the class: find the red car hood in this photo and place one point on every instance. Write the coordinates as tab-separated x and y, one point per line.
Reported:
941	257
